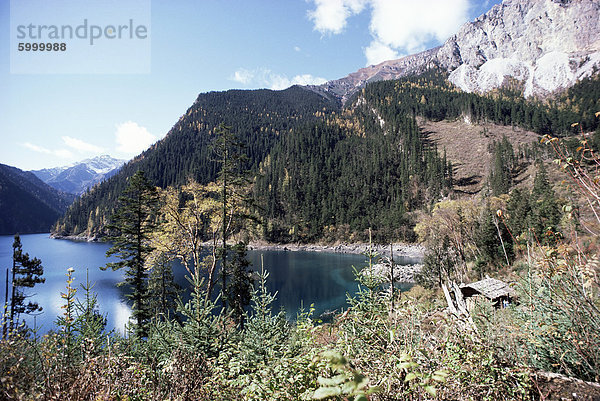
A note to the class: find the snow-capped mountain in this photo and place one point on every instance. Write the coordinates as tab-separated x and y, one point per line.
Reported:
78	177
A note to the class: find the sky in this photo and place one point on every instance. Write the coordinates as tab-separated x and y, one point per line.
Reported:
118	96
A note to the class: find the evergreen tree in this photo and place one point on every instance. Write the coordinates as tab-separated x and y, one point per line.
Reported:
239	290
519	210
265	334
502	168
89	323
493	239
231	179
545	211
26	273
164	289
439	264
131	226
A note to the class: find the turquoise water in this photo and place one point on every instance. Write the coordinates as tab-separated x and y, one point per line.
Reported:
323	279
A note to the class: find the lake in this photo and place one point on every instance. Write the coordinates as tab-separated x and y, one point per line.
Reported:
299	278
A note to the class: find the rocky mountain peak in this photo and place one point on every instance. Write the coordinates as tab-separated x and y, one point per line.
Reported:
76	178
547	45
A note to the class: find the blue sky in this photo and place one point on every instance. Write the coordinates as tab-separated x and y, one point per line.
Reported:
53	119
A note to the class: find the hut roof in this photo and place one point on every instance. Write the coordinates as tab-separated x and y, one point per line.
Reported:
489	287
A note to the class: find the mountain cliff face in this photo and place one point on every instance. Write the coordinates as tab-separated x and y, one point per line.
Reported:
78	177
546	45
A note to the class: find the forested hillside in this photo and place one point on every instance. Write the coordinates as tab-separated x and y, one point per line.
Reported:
260	118
27	205
322	172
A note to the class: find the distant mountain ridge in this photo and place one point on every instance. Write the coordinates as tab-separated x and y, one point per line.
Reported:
546	45
27	204
78	177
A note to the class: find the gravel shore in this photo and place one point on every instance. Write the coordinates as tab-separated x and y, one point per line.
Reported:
407	250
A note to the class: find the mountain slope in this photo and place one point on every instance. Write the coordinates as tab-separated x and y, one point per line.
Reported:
28	205
78	177
546	45
260	117
323	168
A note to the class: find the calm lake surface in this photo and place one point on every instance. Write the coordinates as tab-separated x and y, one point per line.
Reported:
298	277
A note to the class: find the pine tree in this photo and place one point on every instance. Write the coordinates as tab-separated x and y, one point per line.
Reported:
239	290
503	164
89	323
132	225
493	239
232	178
26	273
519	210
164	289
545	212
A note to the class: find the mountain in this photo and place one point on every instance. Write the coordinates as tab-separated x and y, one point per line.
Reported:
335	162
260	117
27	204
78	177
544	45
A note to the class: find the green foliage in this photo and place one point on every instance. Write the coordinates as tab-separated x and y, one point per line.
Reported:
502	168
239	288
261	118
432	96
345	382
25	273
132	225
163	289
560	319
89	324
81	334
439	264
265	333
200	332
232	197
494	239
66	321
28	204
326	175
403	353
545	210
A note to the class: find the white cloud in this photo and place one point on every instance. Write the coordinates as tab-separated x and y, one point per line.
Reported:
81	146
37	148
265	78
307	79
330	16
297	48
396	26
378	52
132	138
62	153
243	76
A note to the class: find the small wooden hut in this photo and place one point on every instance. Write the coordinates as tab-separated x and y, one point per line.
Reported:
498	292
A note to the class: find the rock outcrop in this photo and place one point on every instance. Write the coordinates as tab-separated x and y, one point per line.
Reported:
546	45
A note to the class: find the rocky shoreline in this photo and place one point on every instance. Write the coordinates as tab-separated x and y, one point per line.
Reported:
400	249
402	273
75	238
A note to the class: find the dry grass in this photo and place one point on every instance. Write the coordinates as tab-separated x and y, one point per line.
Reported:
467	144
